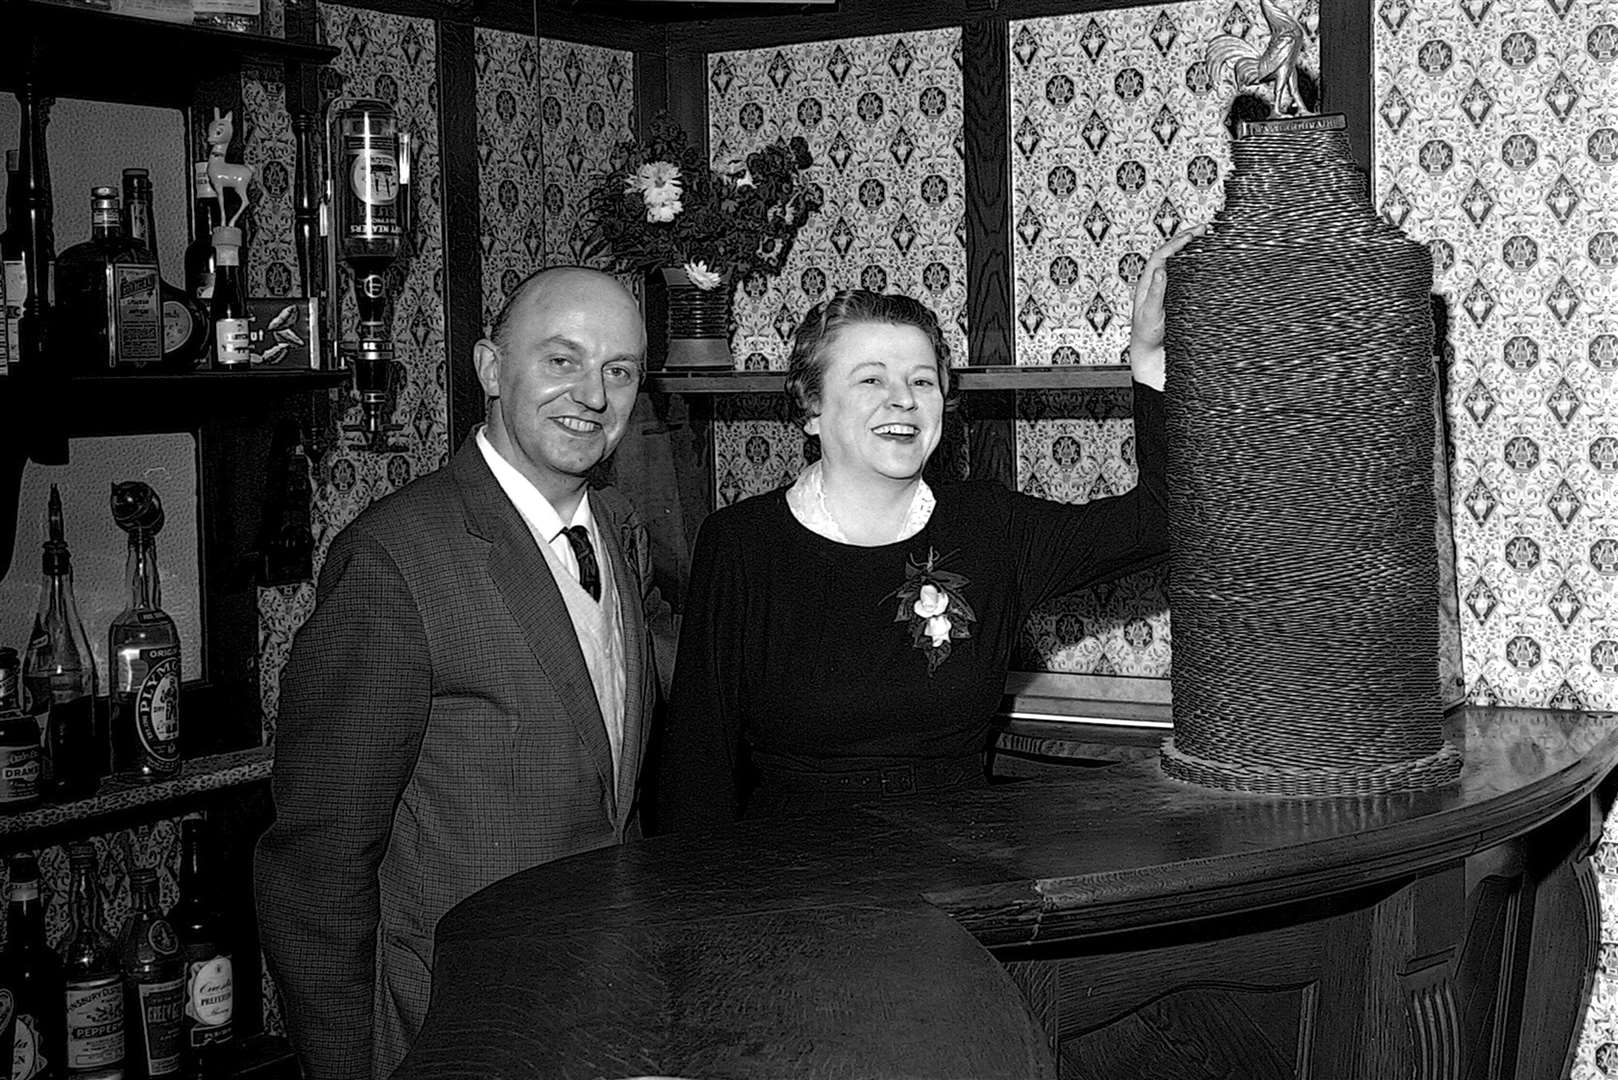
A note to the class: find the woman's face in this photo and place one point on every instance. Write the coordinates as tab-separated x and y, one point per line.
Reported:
881	405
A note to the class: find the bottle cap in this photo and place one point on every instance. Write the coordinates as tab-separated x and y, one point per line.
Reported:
22	868
81	853
142	875
101	193
227	236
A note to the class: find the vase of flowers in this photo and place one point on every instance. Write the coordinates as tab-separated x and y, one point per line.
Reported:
704	229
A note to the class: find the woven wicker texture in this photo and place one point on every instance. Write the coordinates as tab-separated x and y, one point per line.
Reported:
1300	427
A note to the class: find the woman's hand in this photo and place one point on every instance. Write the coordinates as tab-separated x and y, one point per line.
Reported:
1146	322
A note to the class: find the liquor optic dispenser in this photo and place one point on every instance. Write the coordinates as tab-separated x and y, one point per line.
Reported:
370	162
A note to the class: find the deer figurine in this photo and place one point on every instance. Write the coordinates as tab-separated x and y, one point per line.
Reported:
223	174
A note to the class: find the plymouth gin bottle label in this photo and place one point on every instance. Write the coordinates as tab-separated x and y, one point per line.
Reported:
143	649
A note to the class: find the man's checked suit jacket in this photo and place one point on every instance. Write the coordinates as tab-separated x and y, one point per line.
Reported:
438	731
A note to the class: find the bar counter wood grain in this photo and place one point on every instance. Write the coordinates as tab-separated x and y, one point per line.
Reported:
1152	929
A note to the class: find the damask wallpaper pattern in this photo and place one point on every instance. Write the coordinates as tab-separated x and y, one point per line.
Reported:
587	106
1497	144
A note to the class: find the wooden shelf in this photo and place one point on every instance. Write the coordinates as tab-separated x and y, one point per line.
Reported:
121	799
84	53
1030	377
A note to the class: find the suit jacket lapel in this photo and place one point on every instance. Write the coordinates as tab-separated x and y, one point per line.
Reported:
523	578
636	660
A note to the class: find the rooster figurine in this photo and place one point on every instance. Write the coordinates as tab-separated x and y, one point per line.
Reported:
1278	60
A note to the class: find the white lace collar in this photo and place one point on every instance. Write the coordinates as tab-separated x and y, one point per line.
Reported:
806	498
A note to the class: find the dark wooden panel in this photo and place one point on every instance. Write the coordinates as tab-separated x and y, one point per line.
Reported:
1345	72
986	85
463	289
561	20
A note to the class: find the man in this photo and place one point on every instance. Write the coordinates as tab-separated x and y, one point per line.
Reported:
460	705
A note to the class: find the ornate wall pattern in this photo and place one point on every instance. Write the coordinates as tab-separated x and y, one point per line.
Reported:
883	118
509	176
1496	143
587	106
266	127
1117	141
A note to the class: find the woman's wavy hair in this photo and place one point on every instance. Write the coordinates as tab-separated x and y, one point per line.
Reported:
806	368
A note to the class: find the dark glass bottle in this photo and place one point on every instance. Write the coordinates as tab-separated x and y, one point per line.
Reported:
94	985
206	1029
154	981
59	675
143	651
108	313
231	348
185	320
199	257
19	741
28	246
33	974
14	262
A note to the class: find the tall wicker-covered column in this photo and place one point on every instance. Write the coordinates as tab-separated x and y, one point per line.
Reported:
1300	428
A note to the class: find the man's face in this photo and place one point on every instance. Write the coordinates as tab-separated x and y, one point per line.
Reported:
565	378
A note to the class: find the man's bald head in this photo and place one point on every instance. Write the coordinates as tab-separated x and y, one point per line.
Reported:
560	283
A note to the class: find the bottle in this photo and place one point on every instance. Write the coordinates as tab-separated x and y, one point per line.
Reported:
154	981
199	257
59	676
143	650
32	974
206	1028
14	281
28	246
94	985
108	307
19	741
185	320
231	351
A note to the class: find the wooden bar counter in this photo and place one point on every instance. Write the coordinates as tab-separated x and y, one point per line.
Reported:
1112	925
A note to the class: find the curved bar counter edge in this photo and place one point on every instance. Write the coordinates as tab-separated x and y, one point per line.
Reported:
1115	925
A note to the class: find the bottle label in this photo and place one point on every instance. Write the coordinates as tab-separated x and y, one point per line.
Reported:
140	317
19	775
232	342
177	326
210	1000
16	292
371	210
161	1006
95	1024
28	1058
157	705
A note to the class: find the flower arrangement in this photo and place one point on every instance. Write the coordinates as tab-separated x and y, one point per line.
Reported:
931	604
662	206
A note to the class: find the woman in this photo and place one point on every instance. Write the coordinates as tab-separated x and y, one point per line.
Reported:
846	638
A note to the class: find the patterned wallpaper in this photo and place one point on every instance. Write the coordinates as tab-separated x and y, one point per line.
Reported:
1496	142
1117	142
587	106
882	116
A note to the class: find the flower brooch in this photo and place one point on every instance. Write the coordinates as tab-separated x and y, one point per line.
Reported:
930	601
